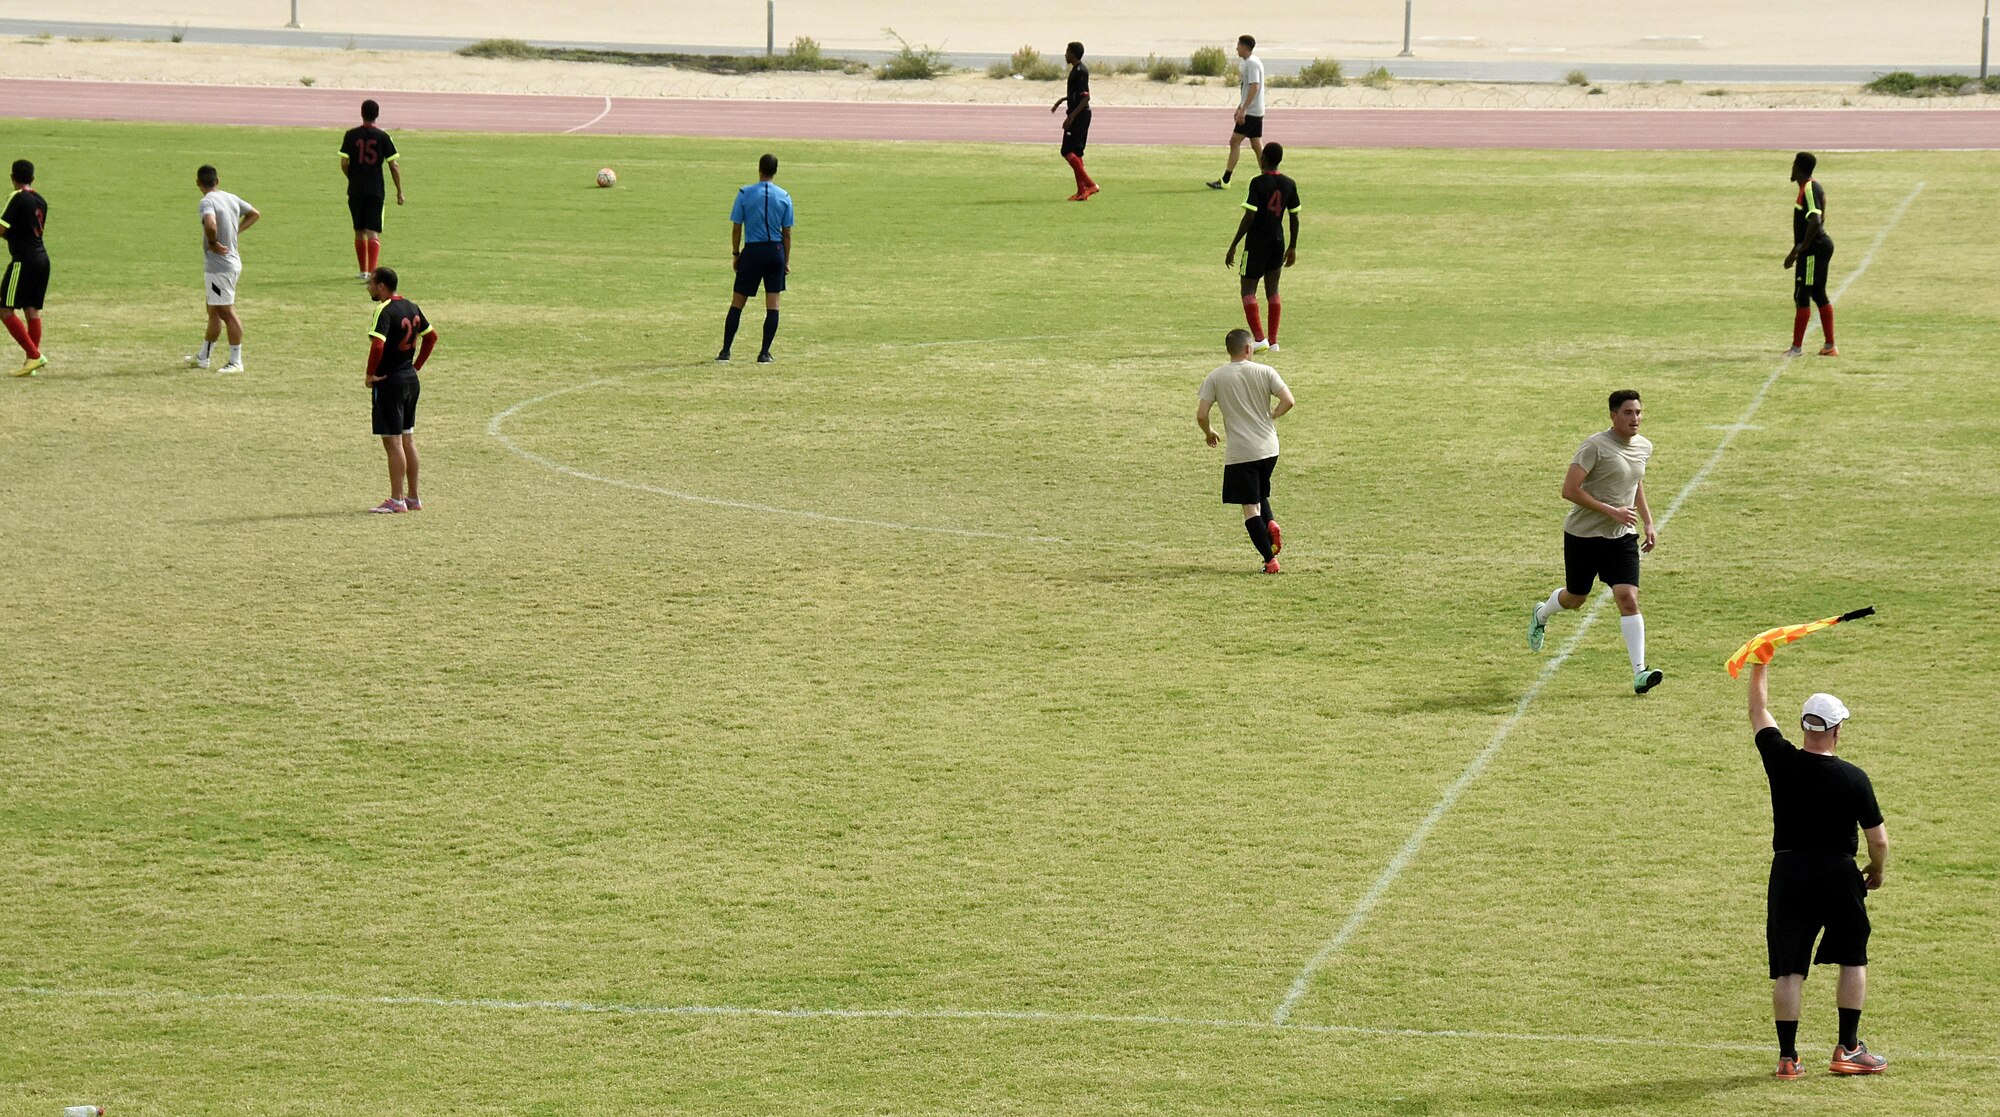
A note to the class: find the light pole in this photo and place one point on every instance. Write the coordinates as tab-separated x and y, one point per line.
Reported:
1406	30
295	14
1985	37
770	27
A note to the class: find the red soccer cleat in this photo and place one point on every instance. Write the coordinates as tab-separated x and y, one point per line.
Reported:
1828	351
1087	191
1271	567
1858	1060
1078	196
1277	538
1789	1068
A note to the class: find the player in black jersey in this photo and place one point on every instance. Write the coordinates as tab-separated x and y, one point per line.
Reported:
1812	252
1076	124
364	151
398	345
1266	251
26	281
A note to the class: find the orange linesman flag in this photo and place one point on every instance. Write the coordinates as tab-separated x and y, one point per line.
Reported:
1765	644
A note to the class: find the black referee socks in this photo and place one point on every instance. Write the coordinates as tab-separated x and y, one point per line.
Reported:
1788	1039
1850	1027
729	325
770	329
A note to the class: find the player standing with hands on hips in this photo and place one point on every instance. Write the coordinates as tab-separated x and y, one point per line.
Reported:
1244	390
224	217
1818	801
1607	483
399	343
1076	123
760	249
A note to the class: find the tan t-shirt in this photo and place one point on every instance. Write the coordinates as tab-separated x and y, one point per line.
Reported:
1243	390
1612	471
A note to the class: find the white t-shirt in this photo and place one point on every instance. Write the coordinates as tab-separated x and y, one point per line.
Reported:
1253	74
228	210
1243	391
1613	470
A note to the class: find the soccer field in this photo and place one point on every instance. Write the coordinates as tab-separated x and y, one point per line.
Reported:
904	727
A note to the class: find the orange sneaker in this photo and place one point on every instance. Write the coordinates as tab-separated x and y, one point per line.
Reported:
1828	351
1277	538
1857	1060
1087	192
1078	196
1271	567
1789	1068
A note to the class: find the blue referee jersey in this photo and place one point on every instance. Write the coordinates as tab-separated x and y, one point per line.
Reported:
764	210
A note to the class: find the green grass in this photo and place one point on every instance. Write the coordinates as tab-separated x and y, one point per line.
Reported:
561	740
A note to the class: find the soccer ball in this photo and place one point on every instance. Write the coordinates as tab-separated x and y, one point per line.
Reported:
607	177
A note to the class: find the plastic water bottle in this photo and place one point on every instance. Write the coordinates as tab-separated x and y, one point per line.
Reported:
84	1111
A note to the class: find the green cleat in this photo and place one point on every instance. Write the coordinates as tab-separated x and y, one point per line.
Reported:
1537	627
1645	679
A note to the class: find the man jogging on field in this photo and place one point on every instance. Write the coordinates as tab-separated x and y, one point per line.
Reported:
1818	801
1244	390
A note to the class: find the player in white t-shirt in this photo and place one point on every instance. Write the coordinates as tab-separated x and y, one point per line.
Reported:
224	217
1249	110
1244	390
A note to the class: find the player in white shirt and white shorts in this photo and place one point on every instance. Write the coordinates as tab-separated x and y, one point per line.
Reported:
224	217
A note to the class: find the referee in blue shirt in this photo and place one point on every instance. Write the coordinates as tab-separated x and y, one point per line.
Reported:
760	248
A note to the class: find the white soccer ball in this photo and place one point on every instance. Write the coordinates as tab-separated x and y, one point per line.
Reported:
607	177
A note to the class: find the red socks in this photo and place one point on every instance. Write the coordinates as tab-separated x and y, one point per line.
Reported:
1799	326
374	254
35	333
1826	322
20	332
1075	162
361	253
1276	306
1251	316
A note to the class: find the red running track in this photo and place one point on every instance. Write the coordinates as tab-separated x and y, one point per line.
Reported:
1567	129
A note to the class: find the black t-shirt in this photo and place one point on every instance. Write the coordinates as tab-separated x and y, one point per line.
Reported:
24	216
1271	197
368	150
1079	88
401	326
1811	200
1817	802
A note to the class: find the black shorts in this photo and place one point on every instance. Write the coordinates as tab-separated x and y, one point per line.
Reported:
1248	482
367	213
395	406
1615	562
25	284
1077	134
1811	892
763	262
1809	281
1260	260
1251	128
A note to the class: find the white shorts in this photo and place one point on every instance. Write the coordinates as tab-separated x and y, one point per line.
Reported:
221	286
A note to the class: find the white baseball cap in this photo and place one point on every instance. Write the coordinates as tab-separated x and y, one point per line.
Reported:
1823	712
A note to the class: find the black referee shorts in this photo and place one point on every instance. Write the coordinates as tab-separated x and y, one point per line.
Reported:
1248	482
1588	558
25	284
367	213
396	406
1811	892
763	262
1809	281
1077	135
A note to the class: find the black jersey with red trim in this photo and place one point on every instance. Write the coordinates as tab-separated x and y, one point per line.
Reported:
25	214
1079	88
1271	198
368	149
1810	202
401	326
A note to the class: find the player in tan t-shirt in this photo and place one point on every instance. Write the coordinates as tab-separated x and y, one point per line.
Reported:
1244	390
1607	483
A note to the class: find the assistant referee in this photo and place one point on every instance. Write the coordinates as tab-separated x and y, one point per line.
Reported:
1817	802
760	249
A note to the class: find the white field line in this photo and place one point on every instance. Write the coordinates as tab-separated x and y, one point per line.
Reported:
600	116
975	1015
1387	877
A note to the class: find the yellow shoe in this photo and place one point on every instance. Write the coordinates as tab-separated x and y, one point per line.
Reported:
31	366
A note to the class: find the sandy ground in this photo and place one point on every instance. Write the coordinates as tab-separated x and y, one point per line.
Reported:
377	71
1859	32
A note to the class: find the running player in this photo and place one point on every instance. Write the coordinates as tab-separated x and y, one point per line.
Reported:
1244	390
1249	110
1267	251
1076	123
760	249
26	281
224	217
1812	252
364	151
398	345
1607	483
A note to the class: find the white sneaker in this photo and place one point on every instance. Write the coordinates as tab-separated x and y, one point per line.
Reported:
362	276
195	362
1259	345
233	366
1795	351
1274	347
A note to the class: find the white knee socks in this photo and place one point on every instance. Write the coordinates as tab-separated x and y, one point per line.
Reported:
1550	607
1634	628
